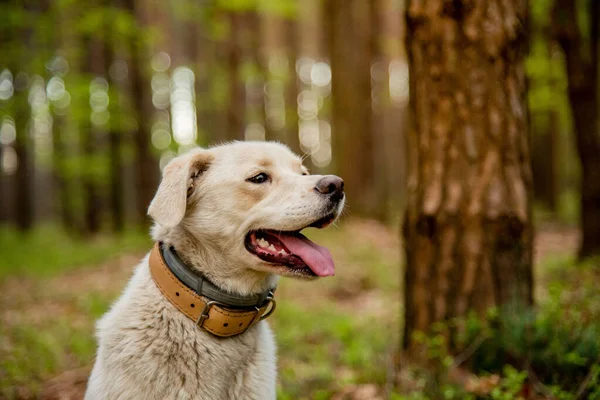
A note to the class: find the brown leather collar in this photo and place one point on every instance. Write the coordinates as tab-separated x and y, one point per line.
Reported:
209	315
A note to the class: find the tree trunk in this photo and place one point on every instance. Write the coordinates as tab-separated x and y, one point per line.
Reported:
581	58
146	167
467	229
59	154
3	199
236	107
18	64
380	104
116	204
23	145
291	137
350	50
90	142
65	125
252	48
543	154
204	60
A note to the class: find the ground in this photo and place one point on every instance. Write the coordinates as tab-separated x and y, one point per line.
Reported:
336	336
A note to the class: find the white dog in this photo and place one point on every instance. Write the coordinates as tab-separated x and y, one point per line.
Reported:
227	222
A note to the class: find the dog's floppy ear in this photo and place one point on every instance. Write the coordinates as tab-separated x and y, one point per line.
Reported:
179	177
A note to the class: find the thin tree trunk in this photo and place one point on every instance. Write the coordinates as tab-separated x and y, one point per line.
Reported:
544	128
24	174
117	206
146	167
65	208
3	199
380	106
236	108
581	60
203	64
66	126
90	143
291	87
543	152
350	50
467	229
116	181
261	61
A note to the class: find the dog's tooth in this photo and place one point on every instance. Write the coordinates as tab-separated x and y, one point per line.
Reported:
263	243
272	248
283	252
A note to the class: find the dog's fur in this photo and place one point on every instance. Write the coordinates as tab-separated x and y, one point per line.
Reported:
204	207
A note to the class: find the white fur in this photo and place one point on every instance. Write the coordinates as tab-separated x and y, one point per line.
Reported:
205	207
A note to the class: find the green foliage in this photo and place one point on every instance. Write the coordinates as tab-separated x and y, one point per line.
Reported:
282	8
510	386
555	345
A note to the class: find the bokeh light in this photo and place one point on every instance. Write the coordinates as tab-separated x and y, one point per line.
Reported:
6	85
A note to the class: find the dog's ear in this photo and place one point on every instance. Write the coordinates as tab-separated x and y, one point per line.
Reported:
178	180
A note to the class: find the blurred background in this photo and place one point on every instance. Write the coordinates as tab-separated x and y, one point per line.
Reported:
96	96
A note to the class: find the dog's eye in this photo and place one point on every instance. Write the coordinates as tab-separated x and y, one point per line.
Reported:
259	178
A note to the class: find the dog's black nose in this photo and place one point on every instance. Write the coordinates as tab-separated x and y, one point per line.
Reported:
331	185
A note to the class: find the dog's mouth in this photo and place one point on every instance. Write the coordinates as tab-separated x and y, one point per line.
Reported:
293	250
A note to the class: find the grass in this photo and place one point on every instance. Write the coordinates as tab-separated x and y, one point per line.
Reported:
335	336
325	350
48	250
332	334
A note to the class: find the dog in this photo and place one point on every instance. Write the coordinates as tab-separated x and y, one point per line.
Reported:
190	323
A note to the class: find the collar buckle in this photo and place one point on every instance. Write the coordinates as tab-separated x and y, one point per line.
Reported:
204	314
271	304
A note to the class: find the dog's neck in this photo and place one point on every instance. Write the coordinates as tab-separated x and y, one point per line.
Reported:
224	273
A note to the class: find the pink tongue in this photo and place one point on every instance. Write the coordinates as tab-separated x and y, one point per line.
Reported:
316	257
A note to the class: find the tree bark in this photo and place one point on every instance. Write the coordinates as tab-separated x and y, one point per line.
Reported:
19	65
90	142
236	107
25	170
291	137
380	105
116	204
467	229
543	154
146	167
581	59
59	154
252	48
204	60
350	51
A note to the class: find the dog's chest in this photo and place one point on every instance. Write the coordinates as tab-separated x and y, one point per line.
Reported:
165	355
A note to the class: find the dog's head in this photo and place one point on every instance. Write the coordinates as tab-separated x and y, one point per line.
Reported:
245	204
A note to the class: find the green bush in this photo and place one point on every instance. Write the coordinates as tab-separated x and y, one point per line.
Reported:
553	348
